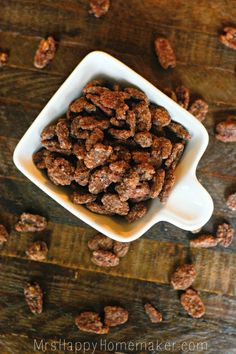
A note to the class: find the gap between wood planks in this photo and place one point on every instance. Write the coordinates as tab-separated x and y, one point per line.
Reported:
147	260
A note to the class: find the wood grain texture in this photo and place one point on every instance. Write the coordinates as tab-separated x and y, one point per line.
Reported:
71	283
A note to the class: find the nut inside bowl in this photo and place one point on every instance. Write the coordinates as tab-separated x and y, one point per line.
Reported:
189	205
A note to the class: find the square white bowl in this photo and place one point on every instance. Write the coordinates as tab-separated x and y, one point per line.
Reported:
189	205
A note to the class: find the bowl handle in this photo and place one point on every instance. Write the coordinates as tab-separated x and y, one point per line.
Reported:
194	205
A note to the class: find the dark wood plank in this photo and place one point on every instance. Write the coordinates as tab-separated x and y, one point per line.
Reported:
93	291
149	260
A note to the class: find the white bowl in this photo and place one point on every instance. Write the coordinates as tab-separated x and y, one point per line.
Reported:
189	205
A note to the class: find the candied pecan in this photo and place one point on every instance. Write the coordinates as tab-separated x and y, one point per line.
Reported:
97	102
154	315
141	192
120	249
131	121
34	298
226	131
121	134
98	155
136	94
160	116
90	123
37	251
121	111
179	130
3	234
54	146
48	132
95	137
45	52
31	223
204	241
105	258
182	94
113	99
143	116
39	158
165	53
76	131
161	147
117	123
79	150
175	156
63	134
229	37
157	183
155	159
199	109
98	208
115	316
114	205
170	93
140	156
99	8
91	322
167	186
225	234
92	85
136	212
145	171
82	174
99	180
3	58
183	277
82	198
120	153
231	201
61	172
192	303
144	139
117	170
80	105
100	242
128	185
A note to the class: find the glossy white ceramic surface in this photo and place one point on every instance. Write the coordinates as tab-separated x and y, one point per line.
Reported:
189	205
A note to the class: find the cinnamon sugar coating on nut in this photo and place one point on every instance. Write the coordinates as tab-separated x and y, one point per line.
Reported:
31	223
154	315
3	234
225	234
115	316
99	8
192	303
228	38
165	53
183	277
37	251
231	201
91	322
204	241
45	52
34	298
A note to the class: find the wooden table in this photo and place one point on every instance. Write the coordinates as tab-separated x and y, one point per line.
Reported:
70	282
